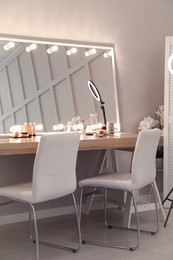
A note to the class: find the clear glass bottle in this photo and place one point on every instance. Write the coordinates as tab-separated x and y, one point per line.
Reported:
34	129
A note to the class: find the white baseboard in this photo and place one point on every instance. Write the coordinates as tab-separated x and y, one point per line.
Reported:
47	213
53	212
14	218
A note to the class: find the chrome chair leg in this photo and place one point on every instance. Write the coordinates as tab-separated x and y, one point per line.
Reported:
31	236
78	223
80	204
156	210
132	248
34	239
105	207
32	209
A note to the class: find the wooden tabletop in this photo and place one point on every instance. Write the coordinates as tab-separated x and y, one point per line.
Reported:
13	146
116	141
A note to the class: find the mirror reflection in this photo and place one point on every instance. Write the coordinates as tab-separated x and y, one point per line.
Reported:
45	81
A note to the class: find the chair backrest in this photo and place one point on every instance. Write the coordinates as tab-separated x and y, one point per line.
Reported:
54	171
144	157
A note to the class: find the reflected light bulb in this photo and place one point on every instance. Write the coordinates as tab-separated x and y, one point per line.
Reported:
31	47
90	52
74	50
9	46
107	54
71	51
68	52
93	51
58	127
15	128
52	49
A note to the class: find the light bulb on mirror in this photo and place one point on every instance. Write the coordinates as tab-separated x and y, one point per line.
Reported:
107	54
59	127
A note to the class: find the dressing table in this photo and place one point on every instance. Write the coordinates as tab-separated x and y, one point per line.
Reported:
13	146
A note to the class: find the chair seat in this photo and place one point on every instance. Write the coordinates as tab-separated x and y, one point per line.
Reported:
121	181
21	191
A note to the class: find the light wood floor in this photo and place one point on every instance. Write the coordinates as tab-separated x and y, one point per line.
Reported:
15	244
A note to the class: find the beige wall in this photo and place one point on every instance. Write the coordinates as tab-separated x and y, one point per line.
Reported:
136	27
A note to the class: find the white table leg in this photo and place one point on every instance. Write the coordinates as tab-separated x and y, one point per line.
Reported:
129	208
128	211
161	210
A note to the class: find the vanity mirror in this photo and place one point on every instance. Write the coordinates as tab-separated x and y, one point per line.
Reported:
45	81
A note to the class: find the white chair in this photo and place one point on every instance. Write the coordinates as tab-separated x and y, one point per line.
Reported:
143	172
54	176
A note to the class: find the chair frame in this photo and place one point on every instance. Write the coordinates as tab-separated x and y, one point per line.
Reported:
33	226
138	230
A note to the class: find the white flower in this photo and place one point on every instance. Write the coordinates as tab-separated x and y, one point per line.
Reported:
148	123
160	115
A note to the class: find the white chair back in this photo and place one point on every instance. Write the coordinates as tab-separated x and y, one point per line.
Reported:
144	158
54	172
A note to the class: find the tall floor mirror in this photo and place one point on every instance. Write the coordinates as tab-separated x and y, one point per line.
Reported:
168	117
45	81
